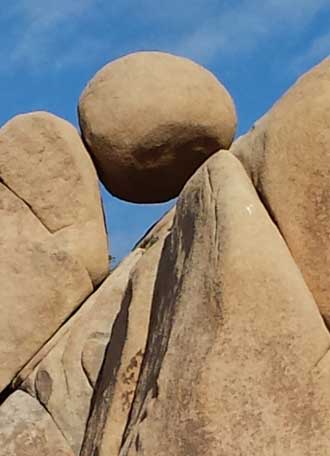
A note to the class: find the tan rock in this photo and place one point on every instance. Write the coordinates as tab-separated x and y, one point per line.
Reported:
116	385
64	380
287	154
40	288
150	119
26	429
236	334
43	161
63	375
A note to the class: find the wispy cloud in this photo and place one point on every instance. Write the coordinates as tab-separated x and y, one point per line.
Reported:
245	26
42	28
48	30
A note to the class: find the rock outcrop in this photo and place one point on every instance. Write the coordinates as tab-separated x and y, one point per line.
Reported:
44	163
117	380
234	336
212	336
64	374
150	119
41	285
26	429
287	156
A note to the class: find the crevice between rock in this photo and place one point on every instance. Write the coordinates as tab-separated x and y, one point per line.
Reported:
34	213
160	326
5	393
18	380
5	184
106	380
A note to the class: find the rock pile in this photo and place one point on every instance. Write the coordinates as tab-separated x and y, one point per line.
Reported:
211	336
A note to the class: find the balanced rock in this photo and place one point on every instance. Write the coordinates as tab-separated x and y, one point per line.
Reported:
287	155
44	163
150	119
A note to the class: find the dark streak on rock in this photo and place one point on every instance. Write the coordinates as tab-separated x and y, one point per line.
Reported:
161	318
106	380
43	386
5	393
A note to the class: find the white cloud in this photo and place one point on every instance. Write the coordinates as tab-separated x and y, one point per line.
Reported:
41	24
63	32
243	27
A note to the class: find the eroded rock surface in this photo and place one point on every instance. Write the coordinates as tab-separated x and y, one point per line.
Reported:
64	377
115	389
287	155
235	333
44	163
41	285
26	429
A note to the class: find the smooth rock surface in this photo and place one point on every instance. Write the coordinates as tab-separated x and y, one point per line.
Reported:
26	429
115	389
63	375
41	285
235	335
64	380
44	162
150	119
287	155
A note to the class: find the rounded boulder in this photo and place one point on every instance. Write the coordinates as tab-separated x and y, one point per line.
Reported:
149	120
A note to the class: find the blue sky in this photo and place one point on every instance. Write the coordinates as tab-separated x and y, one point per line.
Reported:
257	48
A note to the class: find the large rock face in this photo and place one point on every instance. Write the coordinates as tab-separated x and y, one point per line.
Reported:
287	155
41	285
63	381
44	163
117	381
52	234
63	375
235	335
150	119
26	429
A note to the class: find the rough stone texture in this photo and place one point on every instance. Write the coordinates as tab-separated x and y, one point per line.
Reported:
63	381
115	388
235	335
63	375
41	285
287	154
150	119
26	429
43	161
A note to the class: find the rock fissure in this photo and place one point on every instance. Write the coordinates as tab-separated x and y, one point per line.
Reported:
107	377
2	181
17	379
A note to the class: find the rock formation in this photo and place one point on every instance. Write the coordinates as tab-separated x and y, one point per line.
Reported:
287	155
211	337
44	163
150	119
